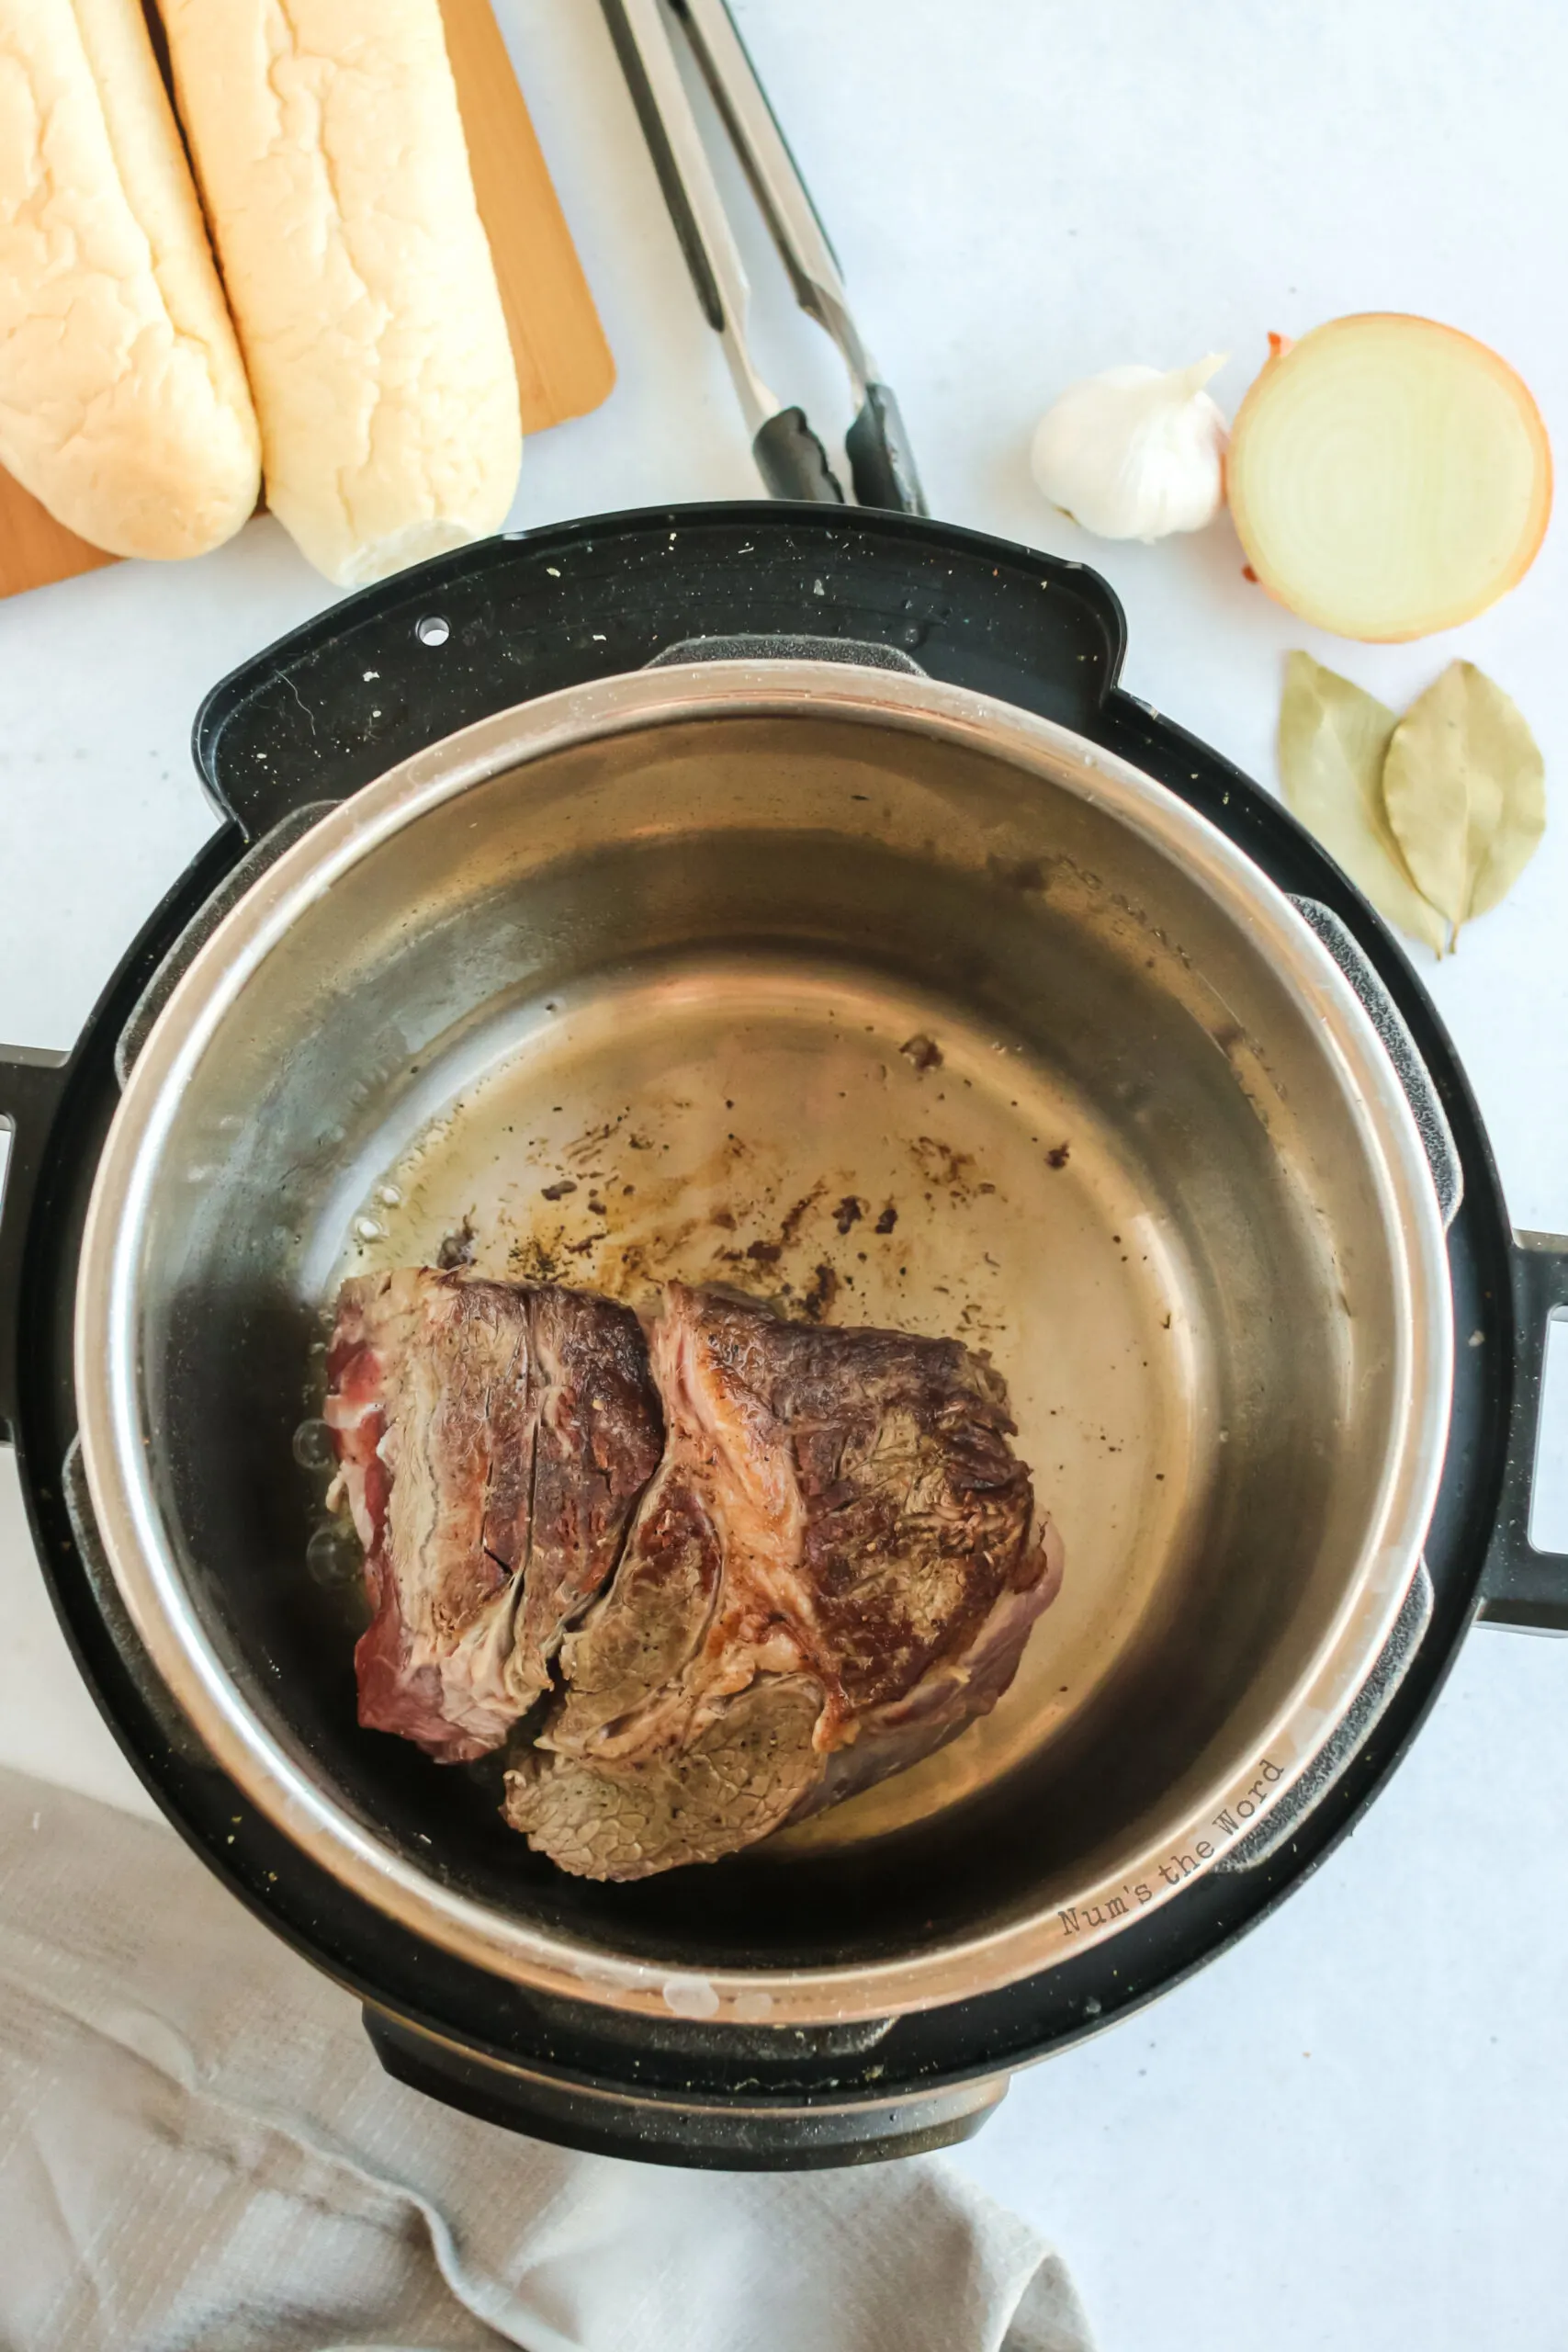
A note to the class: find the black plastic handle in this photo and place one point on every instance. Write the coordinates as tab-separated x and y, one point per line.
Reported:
1519	1584
881	464
386	673
724	2134
793	462
30	1087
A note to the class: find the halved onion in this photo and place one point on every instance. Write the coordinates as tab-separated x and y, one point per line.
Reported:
1388	476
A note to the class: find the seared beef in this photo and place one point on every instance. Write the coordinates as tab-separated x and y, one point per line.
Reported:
835	1570
757	1565
492	1444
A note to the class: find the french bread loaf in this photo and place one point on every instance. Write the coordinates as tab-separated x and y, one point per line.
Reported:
329	152
123	402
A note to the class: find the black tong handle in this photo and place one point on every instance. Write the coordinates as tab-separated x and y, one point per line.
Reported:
793	462
882	465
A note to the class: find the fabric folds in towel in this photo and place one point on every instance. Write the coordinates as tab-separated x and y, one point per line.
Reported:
199	2153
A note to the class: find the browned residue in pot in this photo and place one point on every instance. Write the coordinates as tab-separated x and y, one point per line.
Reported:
457	1248
924	1052
653	1189
818	1299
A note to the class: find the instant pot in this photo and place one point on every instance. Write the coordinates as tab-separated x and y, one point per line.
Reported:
695	816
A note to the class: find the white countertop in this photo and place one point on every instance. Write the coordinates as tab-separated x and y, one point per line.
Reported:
1353	2131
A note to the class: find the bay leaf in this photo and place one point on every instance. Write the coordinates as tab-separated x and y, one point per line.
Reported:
1464	786
1333	743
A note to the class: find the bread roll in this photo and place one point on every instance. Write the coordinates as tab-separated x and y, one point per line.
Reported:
329	151
123	404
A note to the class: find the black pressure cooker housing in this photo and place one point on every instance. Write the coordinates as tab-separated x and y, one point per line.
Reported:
379	677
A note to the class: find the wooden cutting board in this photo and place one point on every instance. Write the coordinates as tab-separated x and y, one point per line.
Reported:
564	365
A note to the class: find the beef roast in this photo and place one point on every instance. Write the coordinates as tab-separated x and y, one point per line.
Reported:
835	1569
492	1443
756	1564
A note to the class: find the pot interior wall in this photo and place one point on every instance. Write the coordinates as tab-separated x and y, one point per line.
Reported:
748	985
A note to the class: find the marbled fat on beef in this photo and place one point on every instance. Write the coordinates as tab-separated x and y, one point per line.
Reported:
492	1442
835	1570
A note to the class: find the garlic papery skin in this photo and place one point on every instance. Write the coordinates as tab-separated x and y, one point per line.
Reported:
1133	454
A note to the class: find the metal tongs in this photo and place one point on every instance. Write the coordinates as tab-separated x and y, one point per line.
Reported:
790	457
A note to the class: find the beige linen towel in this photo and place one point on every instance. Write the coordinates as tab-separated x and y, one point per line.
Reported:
199	2153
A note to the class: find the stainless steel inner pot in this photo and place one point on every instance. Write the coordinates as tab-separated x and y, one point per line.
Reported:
892	1003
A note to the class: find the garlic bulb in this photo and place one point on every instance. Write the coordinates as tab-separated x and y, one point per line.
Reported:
1133	454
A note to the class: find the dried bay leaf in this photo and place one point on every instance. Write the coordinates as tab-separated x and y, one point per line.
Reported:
1334	740
1464	786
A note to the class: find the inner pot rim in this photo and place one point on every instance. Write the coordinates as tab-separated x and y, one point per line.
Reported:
107	1373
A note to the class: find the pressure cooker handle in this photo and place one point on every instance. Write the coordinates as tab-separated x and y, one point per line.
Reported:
724	2134
1520	1585
387	672
32	1085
